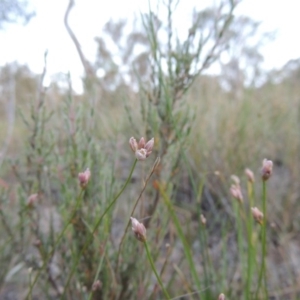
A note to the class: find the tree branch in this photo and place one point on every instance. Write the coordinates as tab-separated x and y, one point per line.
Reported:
86	65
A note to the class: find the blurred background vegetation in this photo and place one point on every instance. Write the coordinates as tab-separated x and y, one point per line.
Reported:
145	81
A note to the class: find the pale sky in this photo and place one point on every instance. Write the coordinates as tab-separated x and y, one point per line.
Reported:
46	31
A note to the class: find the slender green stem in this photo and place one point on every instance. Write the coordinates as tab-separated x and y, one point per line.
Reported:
237	210
251	252
263	271
154	270
46	261
264	245
88	241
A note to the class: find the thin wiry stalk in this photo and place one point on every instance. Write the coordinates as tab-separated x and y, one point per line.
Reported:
251	250
263	270
154	270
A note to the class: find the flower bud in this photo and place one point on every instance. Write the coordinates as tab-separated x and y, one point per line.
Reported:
267	169
141	143
84	178
257	215
96	286
221	297
133	144
138	229
235	179
236	193
32	200
149	146
250	175
203	220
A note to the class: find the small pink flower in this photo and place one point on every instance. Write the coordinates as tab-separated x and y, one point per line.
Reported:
267	169
203	220
84	178
235	189
235	179
221	297
141	149
138	229
149	146
133	144
141	143
32	200
97	285
250	175
257	215
236	193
